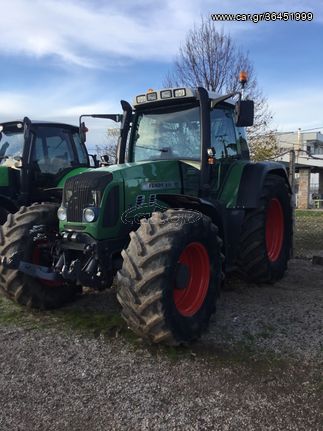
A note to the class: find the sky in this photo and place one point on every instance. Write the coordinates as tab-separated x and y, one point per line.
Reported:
63	58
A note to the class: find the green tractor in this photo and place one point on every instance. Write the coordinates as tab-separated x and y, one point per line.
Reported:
35	159
183	206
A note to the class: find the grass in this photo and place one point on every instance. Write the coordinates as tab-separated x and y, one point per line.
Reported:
242	354
309	213
87	322
111	325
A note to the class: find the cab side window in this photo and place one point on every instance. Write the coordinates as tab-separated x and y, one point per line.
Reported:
223	134
80	149
52	152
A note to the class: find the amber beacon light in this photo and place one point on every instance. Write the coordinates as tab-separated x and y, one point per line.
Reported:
243	78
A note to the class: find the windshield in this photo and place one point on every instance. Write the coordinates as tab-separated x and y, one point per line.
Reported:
174	134
11	143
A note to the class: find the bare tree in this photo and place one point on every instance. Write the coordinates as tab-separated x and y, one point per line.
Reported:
210	58
110	147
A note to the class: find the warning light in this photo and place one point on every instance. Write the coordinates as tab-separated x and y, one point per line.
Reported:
243	77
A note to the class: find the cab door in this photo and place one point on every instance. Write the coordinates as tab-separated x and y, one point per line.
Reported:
226	144
52	155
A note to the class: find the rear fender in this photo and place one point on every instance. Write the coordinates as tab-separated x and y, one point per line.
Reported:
252	181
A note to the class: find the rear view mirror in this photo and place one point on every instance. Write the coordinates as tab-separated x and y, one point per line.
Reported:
82	132
26	125
244	113
104	160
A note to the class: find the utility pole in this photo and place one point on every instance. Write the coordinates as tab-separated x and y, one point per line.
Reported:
292	185
299	142
292	169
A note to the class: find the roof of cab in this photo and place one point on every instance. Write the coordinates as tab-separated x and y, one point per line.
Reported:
40	123
190	92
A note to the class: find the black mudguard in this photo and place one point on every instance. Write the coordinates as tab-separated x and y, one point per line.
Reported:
252	181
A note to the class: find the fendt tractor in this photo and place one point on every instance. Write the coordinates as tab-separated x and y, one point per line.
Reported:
35	159
183	206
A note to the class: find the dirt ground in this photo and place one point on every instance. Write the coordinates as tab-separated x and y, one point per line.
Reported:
258	368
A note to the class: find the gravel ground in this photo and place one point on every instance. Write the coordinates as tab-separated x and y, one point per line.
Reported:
258	368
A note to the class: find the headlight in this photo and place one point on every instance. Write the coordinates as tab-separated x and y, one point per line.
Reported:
61	213
166	94
89	215
141	98
180	92
151	96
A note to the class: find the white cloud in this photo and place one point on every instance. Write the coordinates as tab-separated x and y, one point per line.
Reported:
91	33
101	33
52	106
15	106
80	33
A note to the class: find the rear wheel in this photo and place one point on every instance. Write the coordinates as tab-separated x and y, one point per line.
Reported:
15	238
266	235
170	277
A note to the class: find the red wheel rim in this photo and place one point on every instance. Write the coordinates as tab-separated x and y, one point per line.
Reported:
274	229
36	260
190	299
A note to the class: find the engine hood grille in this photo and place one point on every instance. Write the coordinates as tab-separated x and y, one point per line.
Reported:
82	191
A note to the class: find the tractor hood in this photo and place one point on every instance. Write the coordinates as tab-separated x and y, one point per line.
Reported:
120	194
146	179
143	180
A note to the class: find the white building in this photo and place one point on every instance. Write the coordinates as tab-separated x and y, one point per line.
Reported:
308	147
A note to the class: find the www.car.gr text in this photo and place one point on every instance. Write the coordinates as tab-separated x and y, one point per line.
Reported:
264	16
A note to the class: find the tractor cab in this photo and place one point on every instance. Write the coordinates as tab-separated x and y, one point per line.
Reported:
171	128
192	126
34	157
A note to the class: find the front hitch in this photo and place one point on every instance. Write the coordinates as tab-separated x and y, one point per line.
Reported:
37	271
42	237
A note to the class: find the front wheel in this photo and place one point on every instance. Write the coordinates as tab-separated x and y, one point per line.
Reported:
170	277
15	238
266	234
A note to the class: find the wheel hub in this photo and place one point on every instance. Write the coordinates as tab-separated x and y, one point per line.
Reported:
274	229
192	279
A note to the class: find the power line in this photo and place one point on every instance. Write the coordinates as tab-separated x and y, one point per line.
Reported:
313	128
301	130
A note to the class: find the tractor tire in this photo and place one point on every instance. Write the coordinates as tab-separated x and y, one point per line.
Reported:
15	237
3	215
171	276
266	234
